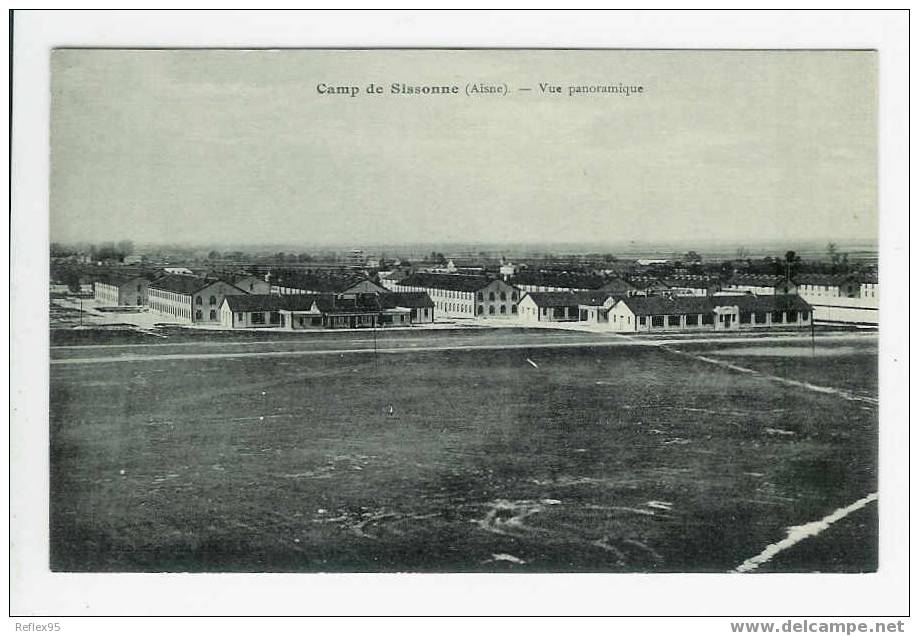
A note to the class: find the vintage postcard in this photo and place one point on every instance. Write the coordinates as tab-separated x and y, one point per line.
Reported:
463	311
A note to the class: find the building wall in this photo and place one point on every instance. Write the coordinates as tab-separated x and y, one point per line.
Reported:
448	303
188	308
210	299
528	310
498	300
170	304
593	314
422	315
246	320
845	314
726	318
132	293
758	320
761	290
832	304
299	321
621	318
105	294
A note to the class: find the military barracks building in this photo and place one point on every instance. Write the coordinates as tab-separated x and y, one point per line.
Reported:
293	283
713	313
122	291
190	299
760	284
464	296
326	311
853	298
591	307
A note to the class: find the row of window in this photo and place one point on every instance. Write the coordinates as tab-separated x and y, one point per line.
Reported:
158	293
211	301
491	310
746	317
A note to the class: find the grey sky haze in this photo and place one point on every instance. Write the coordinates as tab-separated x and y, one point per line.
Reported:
238	146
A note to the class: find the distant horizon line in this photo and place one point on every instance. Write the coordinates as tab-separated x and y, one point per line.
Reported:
736	243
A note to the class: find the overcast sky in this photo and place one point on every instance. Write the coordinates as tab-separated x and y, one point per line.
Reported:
239	147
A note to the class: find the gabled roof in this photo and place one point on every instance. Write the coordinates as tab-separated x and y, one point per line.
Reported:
270	302
405	299
757	280
835	280
648	282
182	284
616	285
597	298
361	303
117	279
452	282
749	302
319	284
554	299
558	279
662	305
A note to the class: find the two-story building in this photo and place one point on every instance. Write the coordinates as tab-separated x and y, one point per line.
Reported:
842	298
759	284
464	296
189	299
121	291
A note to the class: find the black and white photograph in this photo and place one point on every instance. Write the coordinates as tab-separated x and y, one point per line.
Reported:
577	311
341	310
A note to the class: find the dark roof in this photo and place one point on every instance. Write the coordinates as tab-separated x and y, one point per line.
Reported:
453	282
596	298
662	305
318	283
831	280
690	281
361	303
757	280
749	302
572	280
616	285
179	284
405	299
117	279
648	282
835	280
554	299
271	302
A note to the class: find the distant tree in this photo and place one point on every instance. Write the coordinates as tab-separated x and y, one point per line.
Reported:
692	257
792	264
213	255
72	279
125	248
58	250
609	258
742	253
832	252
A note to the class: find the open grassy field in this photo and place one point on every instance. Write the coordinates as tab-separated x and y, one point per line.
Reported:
595	459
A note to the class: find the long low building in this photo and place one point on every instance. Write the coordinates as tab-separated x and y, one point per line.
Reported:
845	298
462	296
325	311
120	291
716	313
566	306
